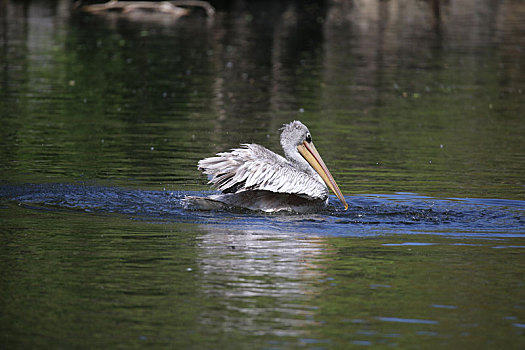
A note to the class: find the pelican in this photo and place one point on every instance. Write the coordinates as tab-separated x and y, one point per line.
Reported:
255	178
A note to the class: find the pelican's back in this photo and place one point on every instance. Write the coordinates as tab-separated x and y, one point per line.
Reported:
254	167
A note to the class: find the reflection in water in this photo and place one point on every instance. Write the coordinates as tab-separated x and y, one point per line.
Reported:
396	93
405	97
388	271
263	282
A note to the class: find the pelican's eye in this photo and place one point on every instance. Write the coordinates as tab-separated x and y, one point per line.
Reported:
308	138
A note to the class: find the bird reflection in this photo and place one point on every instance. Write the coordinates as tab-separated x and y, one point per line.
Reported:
260	278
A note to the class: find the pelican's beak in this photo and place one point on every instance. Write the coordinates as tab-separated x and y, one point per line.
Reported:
311	155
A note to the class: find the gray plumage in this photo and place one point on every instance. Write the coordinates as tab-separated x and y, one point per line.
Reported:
256	178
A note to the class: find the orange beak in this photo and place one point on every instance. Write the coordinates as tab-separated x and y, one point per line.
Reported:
313	158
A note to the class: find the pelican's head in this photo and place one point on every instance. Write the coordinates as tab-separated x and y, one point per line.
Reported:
299	148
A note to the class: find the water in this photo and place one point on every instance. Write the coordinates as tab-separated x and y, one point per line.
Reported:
112	266
369	215
418	116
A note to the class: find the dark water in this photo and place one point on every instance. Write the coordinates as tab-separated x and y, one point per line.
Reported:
416	109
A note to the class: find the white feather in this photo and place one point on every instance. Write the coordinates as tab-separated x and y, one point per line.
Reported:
254	167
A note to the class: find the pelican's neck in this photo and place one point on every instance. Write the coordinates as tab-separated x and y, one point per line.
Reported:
297	161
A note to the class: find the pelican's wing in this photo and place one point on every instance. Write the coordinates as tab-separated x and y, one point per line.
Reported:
254	167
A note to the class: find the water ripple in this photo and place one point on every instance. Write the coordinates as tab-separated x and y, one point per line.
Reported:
406	320
368	215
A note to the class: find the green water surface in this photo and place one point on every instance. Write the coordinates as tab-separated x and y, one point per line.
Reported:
398	98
